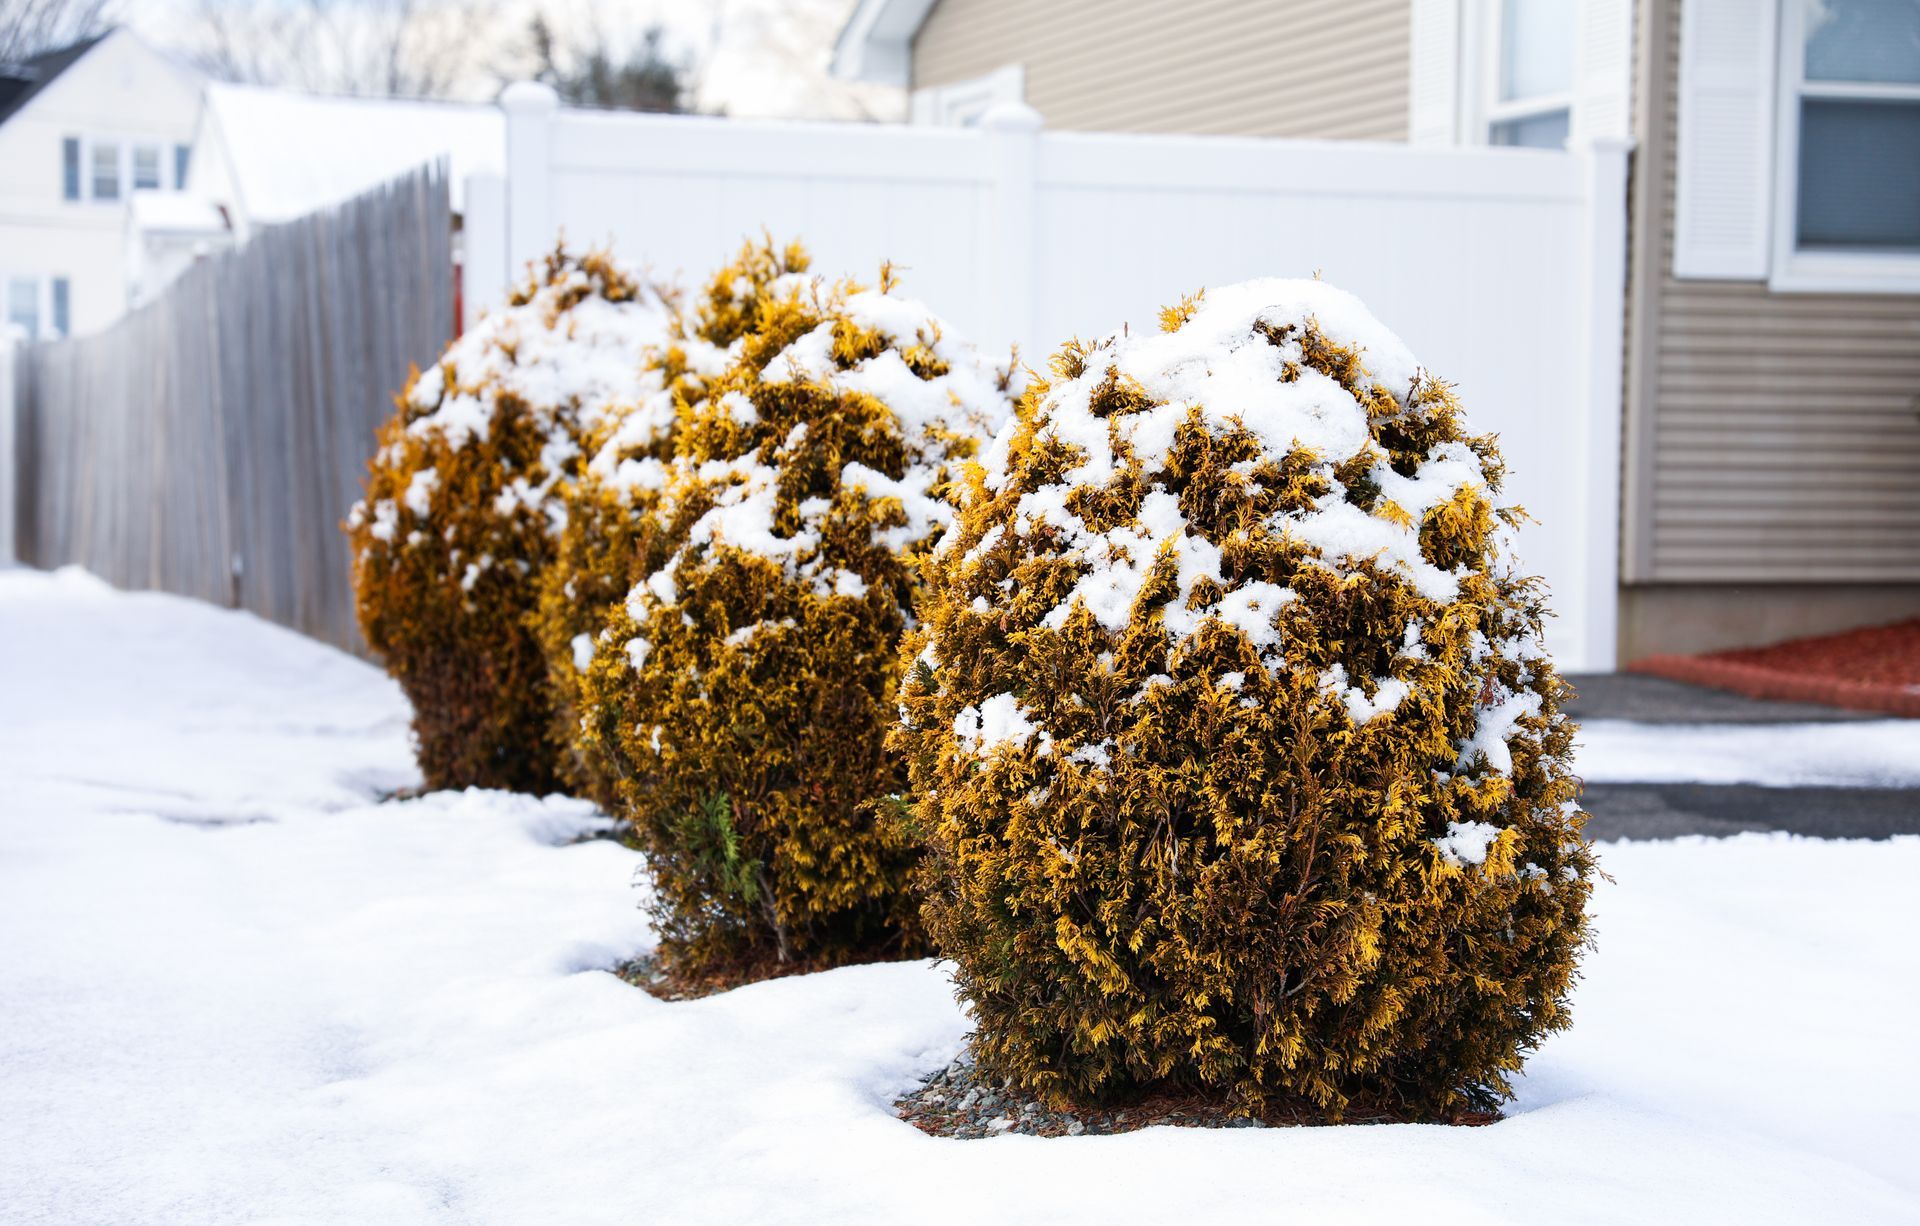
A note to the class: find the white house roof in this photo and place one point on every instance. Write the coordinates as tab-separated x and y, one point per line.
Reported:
876	44
290	154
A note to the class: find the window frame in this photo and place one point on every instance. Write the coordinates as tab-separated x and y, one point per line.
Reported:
7	284
1794	271
59	307
134	150
73	170
120	171
46	303
1491	109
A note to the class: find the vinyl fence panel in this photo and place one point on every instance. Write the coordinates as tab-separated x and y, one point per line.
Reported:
1503	268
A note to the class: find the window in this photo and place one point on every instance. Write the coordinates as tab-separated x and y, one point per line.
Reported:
146	166
70	168
105	160
1532	95
62	307
23	305
1847	200
180	155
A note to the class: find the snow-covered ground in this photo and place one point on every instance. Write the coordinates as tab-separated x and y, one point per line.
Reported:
235	988
1856	753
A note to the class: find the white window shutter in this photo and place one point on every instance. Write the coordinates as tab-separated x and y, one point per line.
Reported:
1603	72
1434	92
1723	189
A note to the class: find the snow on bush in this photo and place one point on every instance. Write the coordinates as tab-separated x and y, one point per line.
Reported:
1232	733
464	506
612	539
747	682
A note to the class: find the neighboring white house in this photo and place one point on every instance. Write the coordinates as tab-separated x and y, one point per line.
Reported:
265	156
122	168
271	155
81	130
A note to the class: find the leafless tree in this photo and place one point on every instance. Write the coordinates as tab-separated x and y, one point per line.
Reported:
595	70
394	48
28	27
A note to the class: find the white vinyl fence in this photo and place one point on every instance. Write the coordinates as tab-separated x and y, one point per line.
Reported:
1502	268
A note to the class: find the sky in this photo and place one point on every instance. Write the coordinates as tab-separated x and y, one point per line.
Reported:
754	58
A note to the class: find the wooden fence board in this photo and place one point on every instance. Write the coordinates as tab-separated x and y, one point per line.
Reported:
211	443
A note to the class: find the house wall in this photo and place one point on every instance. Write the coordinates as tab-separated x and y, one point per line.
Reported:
1284	68
1773	440
119	90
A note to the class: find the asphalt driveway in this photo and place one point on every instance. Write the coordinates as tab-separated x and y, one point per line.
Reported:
1671	810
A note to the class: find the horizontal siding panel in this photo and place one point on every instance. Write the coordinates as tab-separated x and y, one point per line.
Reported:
1882	529
1876	377
1737	565
1755	440
1836	342
1760	465
1785	444
1787	410
1220	67
1736	551
1886	494
1751	302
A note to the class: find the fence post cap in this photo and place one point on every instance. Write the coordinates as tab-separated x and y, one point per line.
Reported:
531	96
1011	117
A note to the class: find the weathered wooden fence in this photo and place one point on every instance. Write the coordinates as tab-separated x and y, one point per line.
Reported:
210	443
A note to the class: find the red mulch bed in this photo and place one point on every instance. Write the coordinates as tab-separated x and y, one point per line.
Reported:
1872	669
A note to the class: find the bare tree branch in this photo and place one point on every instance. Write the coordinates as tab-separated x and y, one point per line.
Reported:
28	27
395	48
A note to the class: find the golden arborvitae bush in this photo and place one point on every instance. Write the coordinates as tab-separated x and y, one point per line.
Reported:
463	508
1238	754
612	538
747	683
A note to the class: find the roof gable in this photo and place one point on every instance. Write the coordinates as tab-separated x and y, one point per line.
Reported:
20	82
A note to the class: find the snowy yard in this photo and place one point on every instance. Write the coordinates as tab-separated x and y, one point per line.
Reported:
239	988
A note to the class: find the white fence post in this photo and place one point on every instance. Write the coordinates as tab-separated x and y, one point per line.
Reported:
529	106
10	483
486	270
1604	337
1013	128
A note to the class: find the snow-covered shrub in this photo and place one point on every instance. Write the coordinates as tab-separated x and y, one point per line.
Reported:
463	507
612	539
1232	733
749	680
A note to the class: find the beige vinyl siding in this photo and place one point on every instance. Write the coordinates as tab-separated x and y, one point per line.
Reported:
1284	68
1776	437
